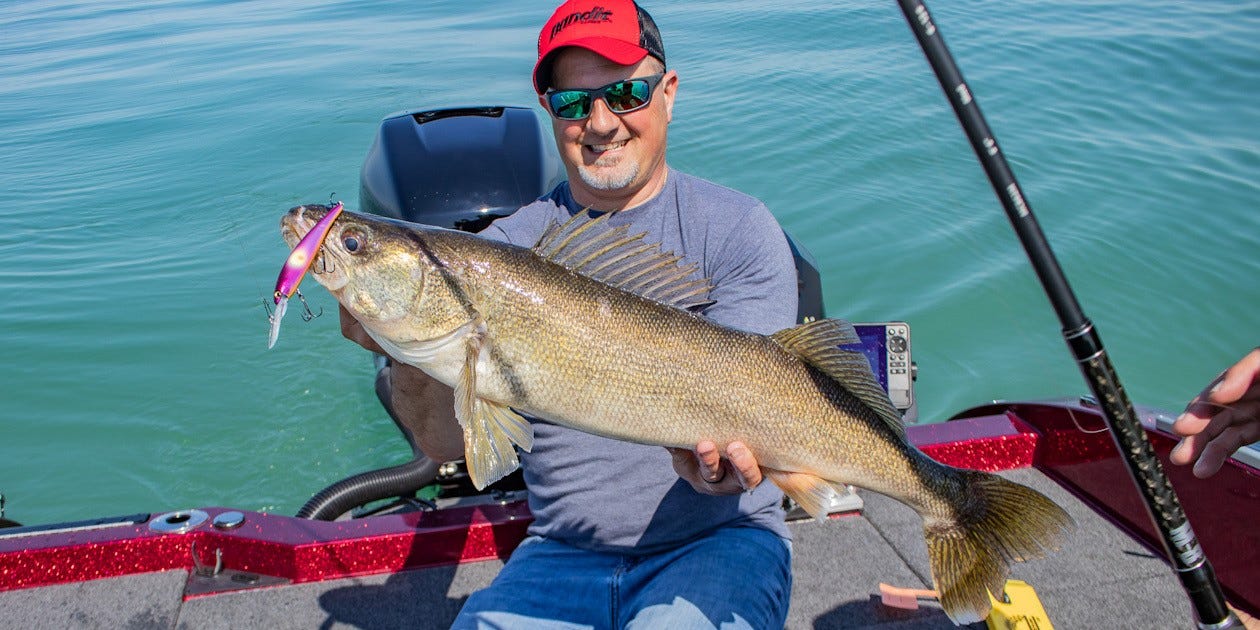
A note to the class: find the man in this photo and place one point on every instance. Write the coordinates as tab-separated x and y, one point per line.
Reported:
626	534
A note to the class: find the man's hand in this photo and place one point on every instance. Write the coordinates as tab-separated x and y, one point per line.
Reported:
351	329
1222	418
422	405
710	473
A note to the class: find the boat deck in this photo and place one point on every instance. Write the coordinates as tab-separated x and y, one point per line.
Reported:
1102	578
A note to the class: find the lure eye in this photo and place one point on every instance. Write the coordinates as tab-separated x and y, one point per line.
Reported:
352	241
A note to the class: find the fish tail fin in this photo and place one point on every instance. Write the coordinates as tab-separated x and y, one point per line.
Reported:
997	522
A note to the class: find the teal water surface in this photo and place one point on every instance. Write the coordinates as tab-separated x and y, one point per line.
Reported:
148	149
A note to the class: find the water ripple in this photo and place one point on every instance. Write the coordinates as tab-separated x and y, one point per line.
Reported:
147	151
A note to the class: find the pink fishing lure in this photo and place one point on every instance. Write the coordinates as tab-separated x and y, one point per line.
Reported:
296	266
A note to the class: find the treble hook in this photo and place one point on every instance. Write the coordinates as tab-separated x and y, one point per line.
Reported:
307	315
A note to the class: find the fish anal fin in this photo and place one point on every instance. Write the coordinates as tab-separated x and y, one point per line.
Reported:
813	493
611	255
491	430
820	344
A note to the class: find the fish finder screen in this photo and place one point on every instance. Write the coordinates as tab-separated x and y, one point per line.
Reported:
874	338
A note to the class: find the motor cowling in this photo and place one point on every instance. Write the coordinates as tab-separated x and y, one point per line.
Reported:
458	168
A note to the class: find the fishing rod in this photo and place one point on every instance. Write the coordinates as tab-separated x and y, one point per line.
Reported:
1181	545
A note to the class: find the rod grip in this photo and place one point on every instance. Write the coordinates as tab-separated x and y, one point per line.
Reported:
1181	546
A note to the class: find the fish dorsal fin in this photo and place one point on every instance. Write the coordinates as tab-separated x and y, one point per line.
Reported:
819	343
615	257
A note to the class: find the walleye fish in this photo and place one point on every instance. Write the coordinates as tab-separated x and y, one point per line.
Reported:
591	329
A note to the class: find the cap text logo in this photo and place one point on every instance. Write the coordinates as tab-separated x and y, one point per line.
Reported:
595	15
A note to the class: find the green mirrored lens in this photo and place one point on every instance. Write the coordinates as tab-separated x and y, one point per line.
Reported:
627	95
571	104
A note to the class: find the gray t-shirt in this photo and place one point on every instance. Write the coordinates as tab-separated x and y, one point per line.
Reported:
607	495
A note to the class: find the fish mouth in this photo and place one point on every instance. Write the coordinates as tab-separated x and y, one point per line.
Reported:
298	221
326	270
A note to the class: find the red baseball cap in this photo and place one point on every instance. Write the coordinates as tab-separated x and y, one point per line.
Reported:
619	30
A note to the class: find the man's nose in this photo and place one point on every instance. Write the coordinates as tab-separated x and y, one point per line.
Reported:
602	119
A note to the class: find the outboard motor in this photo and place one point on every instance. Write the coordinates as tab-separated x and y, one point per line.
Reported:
458	168
463	168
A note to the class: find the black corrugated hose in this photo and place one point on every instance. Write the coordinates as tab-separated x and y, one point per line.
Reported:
374	485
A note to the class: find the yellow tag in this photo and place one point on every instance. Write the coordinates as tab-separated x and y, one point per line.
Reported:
1023	611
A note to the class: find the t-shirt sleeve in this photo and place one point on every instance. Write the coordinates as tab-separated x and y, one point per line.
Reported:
524	227
754	276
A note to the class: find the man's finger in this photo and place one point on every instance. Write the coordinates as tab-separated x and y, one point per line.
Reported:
744	464
1234	383
710	461
1186	450
1221	447
1205	431
1195	419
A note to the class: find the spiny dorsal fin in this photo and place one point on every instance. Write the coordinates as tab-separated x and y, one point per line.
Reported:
819	342
613	256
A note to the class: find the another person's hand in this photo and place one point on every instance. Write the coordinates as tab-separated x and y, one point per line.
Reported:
1222	418
1248	622
710	473
351	329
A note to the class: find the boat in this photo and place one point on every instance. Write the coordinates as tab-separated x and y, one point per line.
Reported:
405	546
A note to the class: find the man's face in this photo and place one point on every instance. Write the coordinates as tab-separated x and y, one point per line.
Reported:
613	160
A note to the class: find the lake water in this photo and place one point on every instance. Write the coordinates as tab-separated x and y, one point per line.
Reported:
148	149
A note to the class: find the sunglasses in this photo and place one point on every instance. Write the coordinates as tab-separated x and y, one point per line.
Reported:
622	97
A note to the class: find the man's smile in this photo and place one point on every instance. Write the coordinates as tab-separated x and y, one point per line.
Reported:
600	149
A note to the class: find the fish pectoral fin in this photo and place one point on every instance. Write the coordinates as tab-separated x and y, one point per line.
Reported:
491	430
491	433
813	493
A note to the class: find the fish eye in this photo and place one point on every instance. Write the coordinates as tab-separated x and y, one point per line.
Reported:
353	241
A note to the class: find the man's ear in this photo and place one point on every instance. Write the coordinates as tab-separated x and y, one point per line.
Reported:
669	91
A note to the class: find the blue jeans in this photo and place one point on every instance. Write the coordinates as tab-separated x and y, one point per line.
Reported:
738	577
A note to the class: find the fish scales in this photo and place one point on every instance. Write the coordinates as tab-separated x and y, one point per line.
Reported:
551	332
674	378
